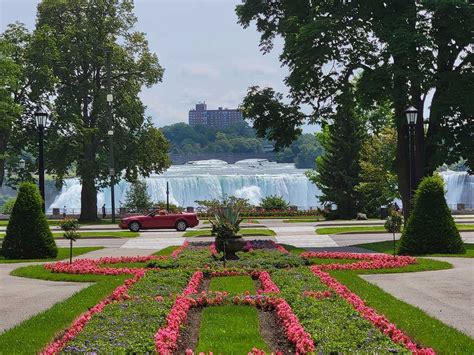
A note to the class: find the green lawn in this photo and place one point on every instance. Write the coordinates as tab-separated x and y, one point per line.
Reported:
104	234
230	330
233	284
422	328
243	231
55	222
387	247
63	253
370	229
303	220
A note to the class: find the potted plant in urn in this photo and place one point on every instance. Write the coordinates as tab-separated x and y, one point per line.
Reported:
225	227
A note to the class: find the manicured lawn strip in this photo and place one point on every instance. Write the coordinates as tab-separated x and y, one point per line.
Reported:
233	285
230	330
243	231
292	249
104	234
32	335
55	222
358	229
129	326
167	250
63	253
422	328
387	248
303	220
332	322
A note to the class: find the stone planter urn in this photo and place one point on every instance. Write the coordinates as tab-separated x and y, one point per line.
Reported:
232	245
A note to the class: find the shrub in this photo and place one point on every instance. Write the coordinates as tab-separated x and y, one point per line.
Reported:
161	205
430	228
137	197
8	206
274	202
28	235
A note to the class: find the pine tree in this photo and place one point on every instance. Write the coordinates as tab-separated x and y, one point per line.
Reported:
337	170
430	228
28	235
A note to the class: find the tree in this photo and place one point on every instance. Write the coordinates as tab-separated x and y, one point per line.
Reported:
378	180
403	50
337	170
274	202
28	235
22	87
137	197
430	228
80	32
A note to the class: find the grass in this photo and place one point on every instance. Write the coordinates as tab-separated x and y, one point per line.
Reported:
292	249
373	229
167	250
32	335
233	284
104	234
230	330
245	220
63	253
387	248
425	330
55	222
243	231
303	220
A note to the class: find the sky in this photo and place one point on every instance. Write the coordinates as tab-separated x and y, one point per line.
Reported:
207	56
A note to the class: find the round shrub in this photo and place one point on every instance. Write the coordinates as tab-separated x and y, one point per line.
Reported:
430	228
28	235
274	202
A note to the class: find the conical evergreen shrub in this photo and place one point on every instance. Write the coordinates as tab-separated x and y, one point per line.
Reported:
28	235
430	228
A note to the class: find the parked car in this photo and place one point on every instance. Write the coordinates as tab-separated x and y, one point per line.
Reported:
160	219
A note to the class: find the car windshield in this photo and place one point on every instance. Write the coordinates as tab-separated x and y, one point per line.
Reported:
157	213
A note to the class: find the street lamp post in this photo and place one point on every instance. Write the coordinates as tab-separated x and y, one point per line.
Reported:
412	116
110	99
41	117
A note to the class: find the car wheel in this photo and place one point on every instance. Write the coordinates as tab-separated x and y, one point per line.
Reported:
181	226
134	226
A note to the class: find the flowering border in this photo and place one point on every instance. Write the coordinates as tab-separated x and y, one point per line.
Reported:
370	314
251	245
369	261
119	294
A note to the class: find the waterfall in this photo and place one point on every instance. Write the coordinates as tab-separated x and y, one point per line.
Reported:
252	179
202	180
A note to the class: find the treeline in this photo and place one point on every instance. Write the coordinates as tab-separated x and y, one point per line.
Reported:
240	138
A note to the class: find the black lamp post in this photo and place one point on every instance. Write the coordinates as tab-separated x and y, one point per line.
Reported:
412	116
41	117
110	133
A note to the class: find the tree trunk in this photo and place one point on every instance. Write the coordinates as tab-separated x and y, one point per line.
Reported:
88	198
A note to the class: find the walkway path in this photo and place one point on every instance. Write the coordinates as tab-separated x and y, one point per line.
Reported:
447	295
302	236
22	298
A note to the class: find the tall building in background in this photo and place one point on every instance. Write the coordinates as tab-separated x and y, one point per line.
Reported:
220	118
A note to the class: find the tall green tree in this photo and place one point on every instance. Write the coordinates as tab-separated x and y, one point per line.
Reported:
337	170
80	31
137	197
23	86
378	179
406	51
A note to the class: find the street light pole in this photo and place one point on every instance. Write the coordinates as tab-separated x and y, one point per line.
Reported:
41	117
167	196
110	98
412	116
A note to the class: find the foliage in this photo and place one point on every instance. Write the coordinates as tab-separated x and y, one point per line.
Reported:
70	227
28	235
430	228
404	50
8	205
394	222
74	52
337	171
378	179
214	206
332	322
161	205
226	223
137	197
274	202
63	253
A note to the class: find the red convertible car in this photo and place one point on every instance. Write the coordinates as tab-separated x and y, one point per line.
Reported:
160	219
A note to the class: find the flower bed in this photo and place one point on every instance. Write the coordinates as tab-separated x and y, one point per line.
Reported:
316	312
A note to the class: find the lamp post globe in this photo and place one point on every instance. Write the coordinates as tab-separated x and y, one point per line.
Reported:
412	115
41	118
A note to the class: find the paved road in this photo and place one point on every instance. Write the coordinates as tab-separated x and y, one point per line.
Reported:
447	295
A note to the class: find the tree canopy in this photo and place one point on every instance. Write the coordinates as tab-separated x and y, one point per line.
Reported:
413	52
